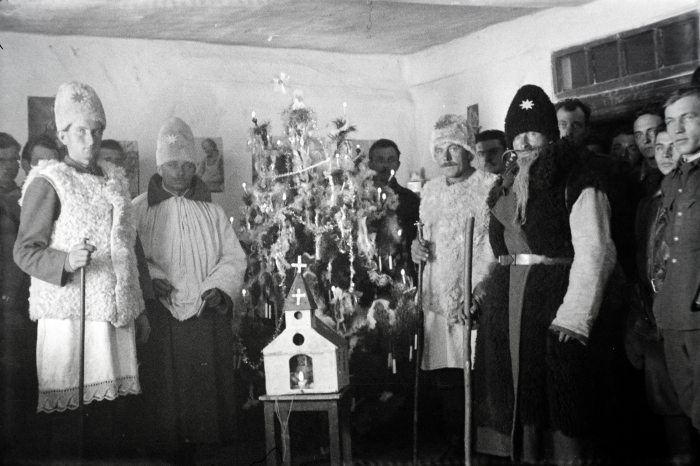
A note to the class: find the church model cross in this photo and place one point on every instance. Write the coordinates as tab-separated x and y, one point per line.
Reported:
299	265
298	295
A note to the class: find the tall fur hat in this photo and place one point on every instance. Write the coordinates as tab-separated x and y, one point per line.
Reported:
176	142
75	100
452	129
531	110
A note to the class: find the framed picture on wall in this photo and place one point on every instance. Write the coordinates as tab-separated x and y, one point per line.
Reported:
40	118
211	169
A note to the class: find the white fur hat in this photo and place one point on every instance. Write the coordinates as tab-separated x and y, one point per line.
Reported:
75	100
176	142
452	129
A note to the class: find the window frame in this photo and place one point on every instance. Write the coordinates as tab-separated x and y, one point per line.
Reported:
624	79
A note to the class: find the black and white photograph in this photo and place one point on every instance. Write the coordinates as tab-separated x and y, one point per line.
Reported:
350	232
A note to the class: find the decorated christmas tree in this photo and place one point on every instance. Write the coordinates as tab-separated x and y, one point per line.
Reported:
313	205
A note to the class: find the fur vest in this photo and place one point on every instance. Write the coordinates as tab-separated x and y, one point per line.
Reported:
99	209
444	210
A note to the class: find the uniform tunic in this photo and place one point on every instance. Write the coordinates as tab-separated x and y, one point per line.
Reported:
534	395
676	306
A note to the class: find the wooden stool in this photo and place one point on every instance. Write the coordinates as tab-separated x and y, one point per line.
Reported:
337	405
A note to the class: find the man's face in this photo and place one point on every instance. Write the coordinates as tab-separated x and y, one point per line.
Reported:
177	175
489	153
111	155
452	159
645	129
82	139
9	165
572	125
382	161
624	147
665	154
530	140
683	122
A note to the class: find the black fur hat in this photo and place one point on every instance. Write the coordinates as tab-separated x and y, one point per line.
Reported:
531	110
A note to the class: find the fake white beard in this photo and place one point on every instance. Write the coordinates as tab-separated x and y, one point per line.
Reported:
521	185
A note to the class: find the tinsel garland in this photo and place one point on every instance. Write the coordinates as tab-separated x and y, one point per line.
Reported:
314	200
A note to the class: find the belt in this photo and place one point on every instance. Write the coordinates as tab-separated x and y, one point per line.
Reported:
532	259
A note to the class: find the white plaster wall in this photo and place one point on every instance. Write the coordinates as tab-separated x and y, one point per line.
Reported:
215	87
212	87
489	66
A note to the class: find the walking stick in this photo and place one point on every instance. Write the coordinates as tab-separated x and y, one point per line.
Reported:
81	372
467	340
417	343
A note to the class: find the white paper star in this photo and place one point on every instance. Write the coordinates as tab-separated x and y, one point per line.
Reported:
527	104
281	83
170	139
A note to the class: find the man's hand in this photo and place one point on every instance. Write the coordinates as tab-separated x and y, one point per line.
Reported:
212	297
419	251
79	256
162	288
564	337
143	329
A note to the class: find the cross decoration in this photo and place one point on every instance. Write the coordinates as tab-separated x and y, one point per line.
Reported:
299	265
298	295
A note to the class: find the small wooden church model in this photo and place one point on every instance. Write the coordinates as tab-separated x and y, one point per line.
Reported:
307	356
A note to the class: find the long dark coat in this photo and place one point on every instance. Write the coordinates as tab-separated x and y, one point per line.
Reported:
526	381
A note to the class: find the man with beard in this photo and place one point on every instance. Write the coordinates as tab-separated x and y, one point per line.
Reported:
535	374
447	202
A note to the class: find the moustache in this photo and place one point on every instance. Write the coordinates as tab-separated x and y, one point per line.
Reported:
448	164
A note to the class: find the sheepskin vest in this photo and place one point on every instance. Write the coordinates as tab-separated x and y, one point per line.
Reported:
98	209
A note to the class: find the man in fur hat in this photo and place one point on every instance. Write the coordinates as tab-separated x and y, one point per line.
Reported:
77	214
535	371
197	266
447	201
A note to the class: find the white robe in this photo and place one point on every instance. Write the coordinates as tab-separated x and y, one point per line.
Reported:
444	211
192	245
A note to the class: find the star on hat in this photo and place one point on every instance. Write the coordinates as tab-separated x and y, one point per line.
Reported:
527	104
78	96
170	139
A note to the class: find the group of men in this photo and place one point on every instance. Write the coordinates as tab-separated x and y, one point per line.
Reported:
552	223
161	274
559	285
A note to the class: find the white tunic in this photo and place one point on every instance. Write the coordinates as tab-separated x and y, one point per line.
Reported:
444	210
192	245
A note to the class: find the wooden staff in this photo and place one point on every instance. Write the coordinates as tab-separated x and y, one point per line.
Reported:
417	337
467	340
81	371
